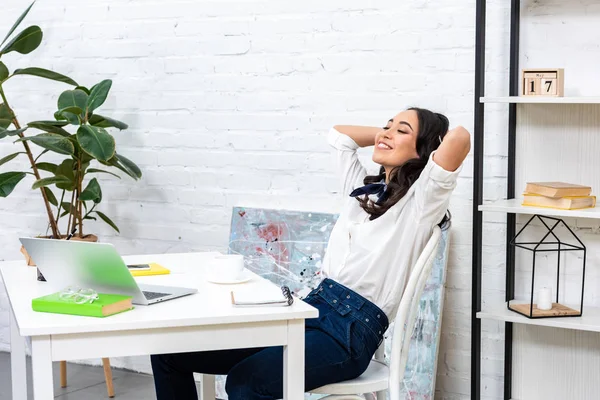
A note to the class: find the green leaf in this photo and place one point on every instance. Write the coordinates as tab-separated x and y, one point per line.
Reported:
16	24
8	181
92	170
51	198
49	181
48	126
45	73
3	72
25	42
10	157
98	95
72	109
6	116
125	165
46	166
96	142
71	98
107	220
86	90
85	158
53	142
106	122
73	119
50	122
88	217
59	117
65	205
6	133
41	154
92	192
66	169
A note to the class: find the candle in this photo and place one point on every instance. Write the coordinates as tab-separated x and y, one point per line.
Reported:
544	299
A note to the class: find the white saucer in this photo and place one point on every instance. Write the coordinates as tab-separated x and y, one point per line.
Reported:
244	277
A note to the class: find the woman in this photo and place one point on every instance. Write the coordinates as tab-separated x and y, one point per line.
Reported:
378	237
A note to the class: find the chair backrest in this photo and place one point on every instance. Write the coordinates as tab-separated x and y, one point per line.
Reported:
407	312
287	248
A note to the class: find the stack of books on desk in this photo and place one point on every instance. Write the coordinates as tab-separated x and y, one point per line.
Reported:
559	195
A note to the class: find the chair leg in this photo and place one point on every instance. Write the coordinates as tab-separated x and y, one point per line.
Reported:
108	377
63	374
207	385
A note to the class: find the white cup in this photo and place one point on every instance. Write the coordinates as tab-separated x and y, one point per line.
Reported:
227	267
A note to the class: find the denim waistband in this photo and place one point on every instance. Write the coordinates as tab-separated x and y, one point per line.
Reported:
346	301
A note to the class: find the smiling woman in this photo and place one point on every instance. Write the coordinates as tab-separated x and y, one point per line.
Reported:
403	148
371	251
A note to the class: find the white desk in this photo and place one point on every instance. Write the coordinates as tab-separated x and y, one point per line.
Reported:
203	321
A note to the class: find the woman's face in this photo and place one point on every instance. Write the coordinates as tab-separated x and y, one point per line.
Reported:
397	142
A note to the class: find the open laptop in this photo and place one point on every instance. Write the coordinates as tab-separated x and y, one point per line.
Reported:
96	266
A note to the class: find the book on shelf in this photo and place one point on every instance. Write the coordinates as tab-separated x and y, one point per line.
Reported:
562	203
103	306
557	189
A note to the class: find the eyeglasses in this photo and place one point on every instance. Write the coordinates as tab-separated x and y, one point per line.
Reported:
77	295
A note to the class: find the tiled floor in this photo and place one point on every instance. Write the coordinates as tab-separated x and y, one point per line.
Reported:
84	382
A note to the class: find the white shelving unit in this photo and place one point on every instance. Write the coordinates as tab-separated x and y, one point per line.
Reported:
589	321
514	206
540	100
549	139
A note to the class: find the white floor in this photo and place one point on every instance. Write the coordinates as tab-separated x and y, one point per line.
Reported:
85	382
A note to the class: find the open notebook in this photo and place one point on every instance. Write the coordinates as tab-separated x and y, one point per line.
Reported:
265	298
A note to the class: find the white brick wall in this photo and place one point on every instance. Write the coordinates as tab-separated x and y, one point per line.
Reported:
228	103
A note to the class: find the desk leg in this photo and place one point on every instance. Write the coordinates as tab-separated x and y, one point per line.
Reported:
18	361
41	361
293	362
207	385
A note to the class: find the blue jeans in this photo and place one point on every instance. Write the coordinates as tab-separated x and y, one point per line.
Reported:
339	345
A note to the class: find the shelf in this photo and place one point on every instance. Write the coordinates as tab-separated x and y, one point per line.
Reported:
514	206
541	100
589	321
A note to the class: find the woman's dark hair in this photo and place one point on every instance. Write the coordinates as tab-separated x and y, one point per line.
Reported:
432	129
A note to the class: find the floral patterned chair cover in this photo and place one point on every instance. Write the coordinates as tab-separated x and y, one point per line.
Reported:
287	247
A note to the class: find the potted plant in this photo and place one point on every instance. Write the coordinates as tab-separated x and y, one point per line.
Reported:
70	191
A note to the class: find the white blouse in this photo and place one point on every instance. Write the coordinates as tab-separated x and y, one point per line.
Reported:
375	258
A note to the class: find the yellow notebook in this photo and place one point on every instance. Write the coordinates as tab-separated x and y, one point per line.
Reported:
147	269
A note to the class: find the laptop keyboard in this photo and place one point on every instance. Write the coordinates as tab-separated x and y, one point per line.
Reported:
154	295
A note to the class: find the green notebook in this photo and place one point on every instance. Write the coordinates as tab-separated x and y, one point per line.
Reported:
107	304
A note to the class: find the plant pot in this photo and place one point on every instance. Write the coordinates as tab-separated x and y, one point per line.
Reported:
30	262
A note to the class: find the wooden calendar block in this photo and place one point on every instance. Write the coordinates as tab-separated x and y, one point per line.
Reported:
549	86
531	86
543	82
